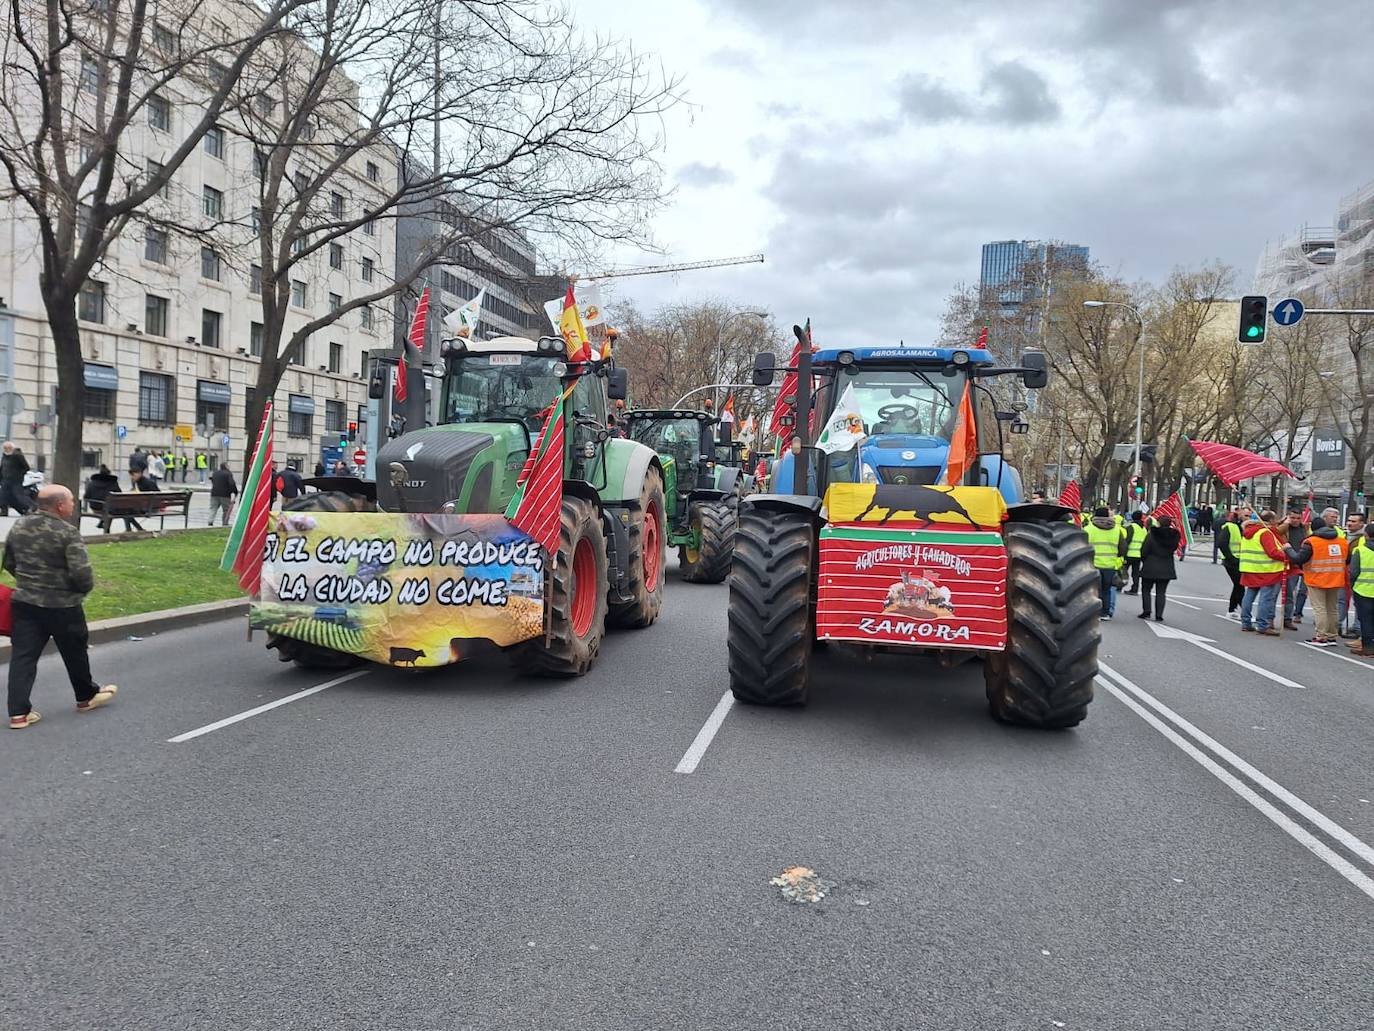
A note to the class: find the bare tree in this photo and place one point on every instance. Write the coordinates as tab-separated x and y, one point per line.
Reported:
78	80
1347	387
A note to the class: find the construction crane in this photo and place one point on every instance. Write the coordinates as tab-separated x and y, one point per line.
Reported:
686	266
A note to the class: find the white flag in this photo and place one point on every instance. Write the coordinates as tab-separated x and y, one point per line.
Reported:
462	322
588	306
845	427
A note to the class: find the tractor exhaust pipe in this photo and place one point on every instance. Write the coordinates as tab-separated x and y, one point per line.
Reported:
802	409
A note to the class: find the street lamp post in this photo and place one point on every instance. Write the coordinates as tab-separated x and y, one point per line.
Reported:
1140	382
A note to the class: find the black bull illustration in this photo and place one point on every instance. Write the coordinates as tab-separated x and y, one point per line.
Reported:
924	502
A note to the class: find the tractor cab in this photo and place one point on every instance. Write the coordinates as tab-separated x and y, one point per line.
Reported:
494	398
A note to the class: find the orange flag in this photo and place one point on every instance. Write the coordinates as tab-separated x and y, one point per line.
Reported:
963	445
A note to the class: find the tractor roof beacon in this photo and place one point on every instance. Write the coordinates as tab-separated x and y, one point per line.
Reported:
703	493
864	541
494	396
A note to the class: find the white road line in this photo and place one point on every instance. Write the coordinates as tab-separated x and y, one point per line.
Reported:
1337	655
229	721
1337	862
1184	604
1313	816
706	734
1197	597
1168	632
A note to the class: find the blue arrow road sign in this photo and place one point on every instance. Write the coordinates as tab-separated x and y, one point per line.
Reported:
121	432
1288	311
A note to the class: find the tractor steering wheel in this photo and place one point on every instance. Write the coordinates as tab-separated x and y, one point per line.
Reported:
906	413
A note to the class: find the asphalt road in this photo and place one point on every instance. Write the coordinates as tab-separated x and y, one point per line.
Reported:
465	849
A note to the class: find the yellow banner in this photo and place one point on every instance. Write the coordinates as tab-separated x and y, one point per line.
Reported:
907	503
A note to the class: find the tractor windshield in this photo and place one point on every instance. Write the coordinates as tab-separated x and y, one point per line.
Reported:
680	438
905	401
490	387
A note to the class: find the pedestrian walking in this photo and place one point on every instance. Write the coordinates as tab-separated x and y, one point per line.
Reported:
1229	538
1294	534
1262	566
319	469
202	465
223	491
1322	558
1219	521
52	574
1109	555
138	460
289	482
183	465
1135	541
13	468
1361	571
157	468
1349	614
1157	565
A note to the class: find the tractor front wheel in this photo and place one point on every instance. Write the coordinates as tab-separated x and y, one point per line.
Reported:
771	624
577	600
648	549
1044	678
713	523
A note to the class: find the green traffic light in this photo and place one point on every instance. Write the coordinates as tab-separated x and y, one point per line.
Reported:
1254	332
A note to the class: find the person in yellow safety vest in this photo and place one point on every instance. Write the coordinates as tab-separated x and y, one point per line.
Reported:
1109	554
1361	570
1262	564
1348	614
1228	540
1135	541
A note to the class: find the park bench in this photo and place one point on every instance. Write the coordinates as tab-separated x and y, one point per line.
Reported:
143	504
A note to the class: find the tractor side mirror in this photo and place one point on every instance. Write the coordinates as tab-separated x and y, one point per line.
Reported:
1037	374
764	365
618	384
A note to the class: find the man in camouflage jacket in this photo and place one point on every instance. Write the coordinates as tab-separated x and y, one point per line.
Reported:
53	575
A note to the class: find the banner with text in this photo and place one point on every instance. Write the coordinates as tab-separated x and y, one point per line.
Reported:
405	590
930	588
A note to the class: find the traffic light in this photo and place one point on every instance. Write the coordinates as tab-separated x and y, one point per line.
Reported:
1254	315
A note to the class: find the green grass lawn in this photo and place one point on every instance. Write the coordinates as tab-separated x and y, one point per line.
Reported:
157	573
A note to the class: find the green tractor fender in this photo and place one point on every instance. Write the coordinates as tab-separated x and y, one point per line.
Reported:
626	463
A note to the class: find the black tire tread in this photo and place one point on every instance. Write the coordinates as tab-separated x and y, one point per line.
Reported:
771	631
648	599
718	521
564	654
1044	678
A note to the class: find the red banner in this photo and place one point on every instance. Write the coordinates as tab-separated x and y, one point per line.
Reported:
928	588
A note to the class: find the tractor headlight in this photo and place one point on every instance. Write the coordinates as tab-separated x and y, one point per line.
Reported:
868	475
452	346
959	358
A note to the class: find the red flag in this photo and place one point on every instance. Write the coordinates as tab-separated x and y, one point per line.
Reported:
252	529
1173	508
1072	498
983	338
963	444
1233	464
781	407
538	500
419	327
574	332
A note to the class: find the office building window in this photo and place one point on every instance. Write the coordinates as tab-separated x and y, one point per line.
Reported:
255	339
368	268
214	142
217	73
265	105
155	312
260	165
296	355
374	174
335	302
336	255
91	302
155	244
298	423
209	263
334	414
98	404
213	202
370	227
255	280
164	39
160	113
90	74
336	204
367	318
255	221
156	398
154	170
336	357
210	324
298	293
218	411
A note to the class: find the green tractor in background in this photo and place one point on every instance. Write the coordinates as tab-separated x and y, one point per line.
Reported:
703	490
494	396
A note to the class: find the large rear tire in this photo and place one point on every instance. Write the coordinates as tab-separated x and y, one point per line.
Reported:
291	649
648	553
1044	678
771	621
715	523
577	599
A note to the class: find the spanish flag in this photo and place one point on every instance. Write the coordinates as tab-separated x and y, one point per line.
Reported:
574	333
963	444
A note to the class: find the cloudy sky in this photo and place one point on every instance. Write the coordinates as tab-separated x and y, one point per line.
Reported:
869	147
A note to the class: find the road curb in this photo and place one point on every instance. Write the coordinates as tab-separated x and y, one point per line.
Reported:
147	623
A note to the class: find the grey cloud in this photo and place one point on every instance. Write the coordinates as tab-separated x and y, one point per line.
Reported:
927	100
734	59
699	174
1011	93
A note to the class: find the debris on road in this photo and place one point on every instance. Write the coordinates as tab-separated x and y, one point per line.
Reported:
801	884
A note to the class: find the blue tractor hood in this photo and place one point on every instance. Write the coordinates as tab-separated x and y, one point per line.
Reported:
905	457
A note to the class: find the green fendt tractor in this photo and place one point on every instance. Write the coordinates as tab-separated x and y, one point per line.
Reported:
445	490
704	492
